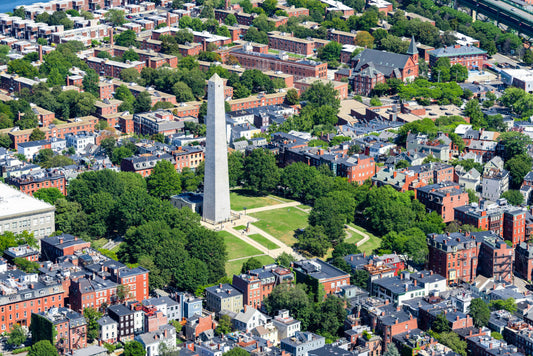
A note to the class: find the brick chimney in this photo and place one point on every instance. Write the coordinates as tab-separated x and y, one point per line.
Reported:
111	37
40	53
168	19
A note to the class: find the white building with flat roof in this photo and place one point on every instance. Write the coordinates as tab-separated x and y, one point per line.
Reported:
20	212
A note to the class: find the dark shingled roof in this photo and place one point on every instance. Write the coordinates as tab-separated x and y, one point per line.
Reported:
385	62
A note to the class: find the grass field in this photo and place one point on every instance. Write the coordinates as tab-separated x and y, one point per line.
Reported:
281	223
263	241
240	199
237	248
234	267
355	238
96	244
373	243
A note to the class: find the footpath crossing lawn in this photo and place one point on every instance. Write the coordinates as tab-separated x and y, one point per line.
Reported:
240	199
369	246
281	223
234	267
263	241
236	247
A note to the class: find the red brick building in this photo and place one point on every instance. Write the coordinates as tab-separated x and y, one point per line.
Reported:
285	42
471	57
457	256
442	198
68	327
356	168
257	284
32	182
523	262
53	247
109	68
256	101
74	126
317	272
505	220
265	62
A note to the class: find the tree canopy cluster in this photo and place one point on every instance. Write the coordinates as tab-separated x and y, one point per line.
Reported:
168	241
319	315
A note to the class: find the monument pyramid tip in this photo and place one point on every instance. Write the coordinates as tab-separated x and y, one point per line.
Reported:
215	78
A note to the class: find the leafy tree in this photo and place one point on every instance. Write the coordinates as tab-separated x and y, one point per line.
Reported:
224	325
182	92
236	351
364	39
453	341
22	68
293	298
143	102
235	168
254	35
528	57
508	304
130	55
5	141
459	73
134	348
513	197
17	335
230	20
251	264
515	143
391	350
191	275
184	36
330	52
328	319
360	278
292	97
329	213
25	265
90	82
472	196
440	324
92	316
344	249
164	180
285	259
126	39
43	348
314	240
116	17
37	135
496	335
261	172
480	312
375	101
518	167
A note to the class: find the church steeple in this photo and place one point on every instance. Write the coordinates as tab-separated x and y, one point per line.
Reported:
412	51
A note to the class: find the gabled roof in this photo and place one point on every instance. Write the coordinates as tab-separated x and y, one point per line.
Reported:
385	62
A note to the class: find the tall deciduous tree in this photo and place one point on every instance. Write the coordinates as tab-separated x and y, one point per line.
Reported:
261	172
164	180
480	312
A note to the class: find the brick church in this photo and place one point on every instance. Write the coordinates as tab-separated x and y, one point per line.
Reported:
372	67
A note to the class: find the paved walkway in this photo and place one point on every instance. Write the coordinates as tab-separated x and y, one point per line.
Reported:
365	235
271	207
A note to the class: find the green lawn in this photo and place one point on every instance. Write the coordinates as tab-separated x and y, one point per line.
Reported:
234	267
369	246
263	241
240	199
116	248
96	244
355	238
281	223
237	248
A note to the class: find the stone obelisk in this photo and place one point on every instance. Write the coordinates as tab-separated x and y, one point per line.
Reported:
216	206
